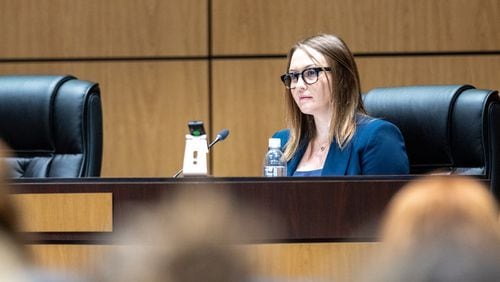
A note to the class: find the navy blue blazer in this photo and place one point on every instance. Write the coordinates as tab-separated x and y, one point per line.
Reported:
377	148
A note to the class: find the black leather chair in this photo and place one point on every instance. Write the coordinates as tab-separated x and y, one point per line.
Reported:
53	125
453	129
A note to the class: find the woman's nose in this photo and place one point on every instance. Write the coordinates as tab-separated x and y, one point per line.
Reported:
300	82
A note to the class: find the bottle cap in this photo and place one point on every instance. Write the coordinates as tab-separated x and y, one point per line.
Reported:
275	143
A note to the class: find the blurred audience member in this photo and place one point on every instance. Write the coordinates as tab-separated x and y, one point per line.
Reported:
8	215
439	261
15	261
439	229
13	256
457	209
186	239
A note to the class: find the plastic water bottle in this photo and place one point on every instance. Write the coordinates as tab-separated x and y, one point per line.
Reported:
274	164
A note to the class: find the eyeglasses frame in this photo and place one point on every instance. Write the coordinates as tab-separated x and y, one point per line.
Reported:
301	74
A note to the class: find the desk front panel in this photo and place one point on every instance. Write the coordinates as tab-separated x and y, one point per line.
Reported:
329	224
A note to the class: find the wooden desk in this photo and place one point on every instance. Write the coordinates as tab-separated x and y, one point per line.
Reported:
330	223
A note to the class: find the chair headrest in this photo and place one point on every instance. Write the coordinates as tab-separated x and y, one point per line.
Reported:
443	125
27	102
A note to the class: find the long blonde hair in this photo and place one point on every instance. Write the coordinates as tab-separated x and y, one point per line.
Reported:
345	97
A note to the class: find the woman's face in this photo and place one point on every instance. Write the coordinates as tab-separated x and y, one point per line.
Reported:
312	99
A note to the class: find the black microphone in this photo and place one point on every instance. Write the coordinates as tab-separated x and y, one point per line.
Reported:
220	136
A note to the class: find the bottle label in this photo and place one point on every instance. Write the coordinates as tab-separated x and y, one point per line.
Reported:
274	171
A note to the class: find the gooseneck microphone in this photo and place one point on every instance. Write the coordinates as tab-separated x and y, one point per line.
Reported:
220	136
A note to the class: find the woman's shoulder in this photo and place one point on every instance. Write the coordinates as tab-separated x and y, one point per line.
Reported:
368	126
282	134
365	122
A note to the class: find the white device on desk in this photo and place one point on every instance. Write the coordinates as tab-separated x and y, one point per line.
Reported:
196	149
196	129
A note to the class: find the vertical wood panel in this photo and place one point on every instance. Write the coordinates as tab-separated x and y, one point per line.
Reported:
480	71
146	106
270	27
96	28
248	100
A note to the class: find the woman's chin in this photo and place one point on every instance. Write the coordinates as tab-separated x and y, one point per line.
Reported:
308	109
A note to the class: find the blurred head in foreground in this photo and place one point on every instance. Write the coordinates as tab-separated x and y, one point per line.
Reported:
188	238
13	256
8	215
457	209
440	229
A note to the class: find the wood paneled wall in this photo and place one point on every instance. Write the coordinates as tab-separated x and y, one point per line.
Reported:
161	63
265	27
103	29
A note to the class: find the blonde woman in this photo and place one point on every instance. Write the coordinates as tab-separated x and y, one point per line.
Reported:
329	132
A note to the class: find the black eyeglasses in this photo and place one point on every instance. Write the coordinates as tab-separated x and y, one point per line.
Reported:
309	76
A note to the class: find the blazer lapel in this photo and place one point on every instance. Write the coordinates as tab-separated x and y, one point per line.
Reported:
337	160
293	163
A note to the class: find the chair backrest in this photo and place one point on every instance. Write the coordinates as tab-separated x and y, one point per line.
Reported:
53	125
450	128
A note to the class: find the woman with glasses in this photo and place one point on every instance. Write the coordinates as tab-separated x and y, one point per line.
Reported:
329	131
